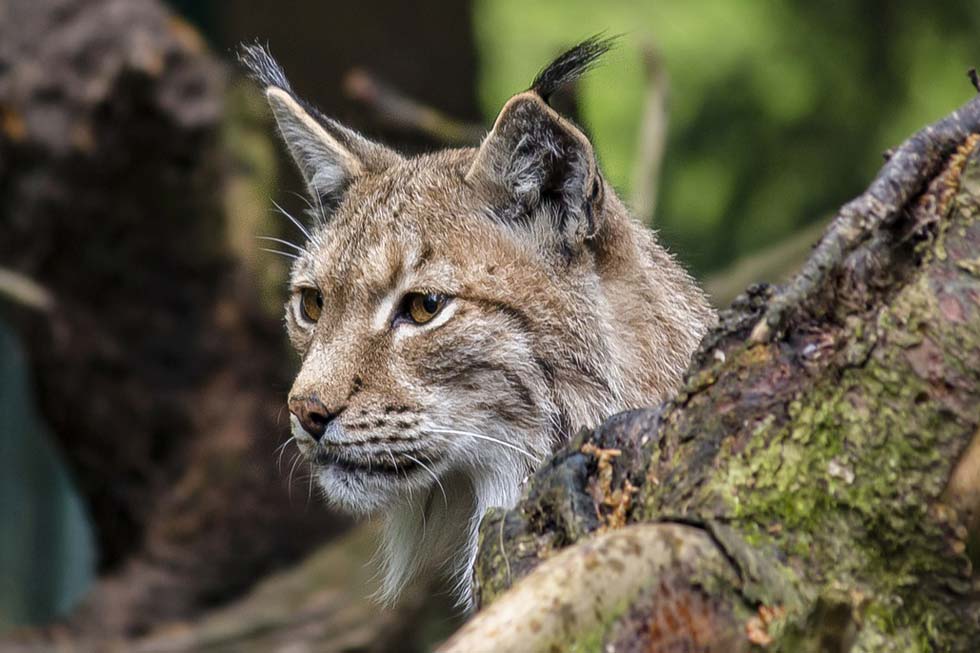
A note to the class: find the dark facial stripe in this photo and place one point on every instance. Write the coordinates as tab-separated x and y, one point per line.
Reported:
520	387
547	368
524	323
465	370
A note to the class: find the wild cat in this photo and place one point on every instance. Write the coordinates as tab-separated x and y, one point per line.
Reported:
460	313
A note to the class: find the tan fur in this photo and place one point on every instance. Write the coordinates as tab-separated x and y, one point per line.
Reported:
611	329
558	316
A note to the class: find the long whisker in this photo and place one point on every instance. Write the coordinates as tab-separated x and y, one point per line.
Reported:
490	439
424	525
394	463
309	492
291	470
299	225
302	197
321	218
431	473
276	251
282	242
281	449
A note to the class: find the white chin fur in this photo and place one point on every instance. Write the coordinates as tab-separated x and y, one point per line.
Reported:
355	493
427	527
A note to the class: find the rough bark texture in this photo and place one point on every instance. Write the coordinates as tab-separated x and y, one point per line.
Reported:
815	486
154	367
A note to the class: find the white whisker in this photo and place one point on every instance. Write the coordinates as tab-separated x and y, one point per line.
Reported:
319	203
431	473
394	463
292	469
490	439
299	225
309	492
303	197
317	210
282	241
276	251
281	449
421	509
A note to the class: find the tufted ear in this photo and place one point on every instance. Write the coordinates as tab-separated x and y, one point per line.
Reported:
538	160
329	155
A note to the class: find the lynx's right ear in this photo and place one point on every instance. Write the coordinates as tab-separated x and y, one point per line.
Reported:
329	155
540	161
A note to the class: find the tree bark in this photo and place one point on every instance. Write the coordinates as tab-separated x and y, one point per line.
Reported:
814	486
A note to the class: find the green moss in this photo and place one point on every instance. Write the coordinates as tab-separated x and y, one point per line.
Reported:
874	437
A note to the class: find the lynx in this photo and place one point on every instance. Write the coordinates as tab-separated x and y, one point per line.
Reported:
460	313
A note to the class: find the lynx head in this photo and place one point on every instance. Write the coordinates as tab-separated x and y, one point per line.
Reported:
460	313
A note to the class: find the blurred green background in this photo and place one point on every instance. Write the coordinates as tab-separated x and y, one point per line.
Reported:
777	112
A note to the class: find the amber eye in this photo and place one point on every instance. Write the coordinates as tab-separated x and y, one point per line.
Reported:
422	307
311	303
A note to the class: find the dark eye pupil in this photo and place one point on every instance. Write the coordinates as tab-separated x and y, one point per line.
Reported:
430	303
319	300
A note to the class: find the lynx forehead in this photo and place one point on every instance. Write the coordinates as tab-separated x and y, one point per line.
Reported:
459	314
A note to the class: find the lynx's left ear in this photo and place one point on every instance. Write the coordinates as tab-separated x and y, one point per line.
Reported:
329	155
539	160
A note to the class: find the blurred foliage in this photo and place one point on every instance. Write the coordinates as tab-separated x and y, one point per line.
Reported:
779	109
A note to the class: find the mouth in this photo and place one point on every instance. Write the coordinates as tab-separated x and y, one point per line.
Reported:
393	465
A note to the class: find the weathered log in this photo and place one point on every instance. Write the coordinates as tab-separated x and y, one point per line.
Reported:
815	485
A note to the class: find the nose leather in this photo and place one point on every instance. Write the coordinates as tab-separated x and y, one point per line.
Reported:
312	414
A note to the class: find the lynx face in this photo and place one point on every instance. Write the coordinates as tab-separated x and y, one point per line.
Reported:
460	314
415	314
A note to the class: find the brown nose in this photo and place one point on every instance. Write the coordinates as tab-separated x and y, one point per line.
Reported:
312	414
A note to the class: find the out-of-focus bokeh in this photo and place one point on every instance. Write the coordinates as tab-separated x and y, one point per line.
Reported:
142	366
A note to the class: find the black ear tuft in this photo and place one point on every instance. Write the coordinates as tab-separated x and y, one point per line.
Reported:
262	67
328	154
571	65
